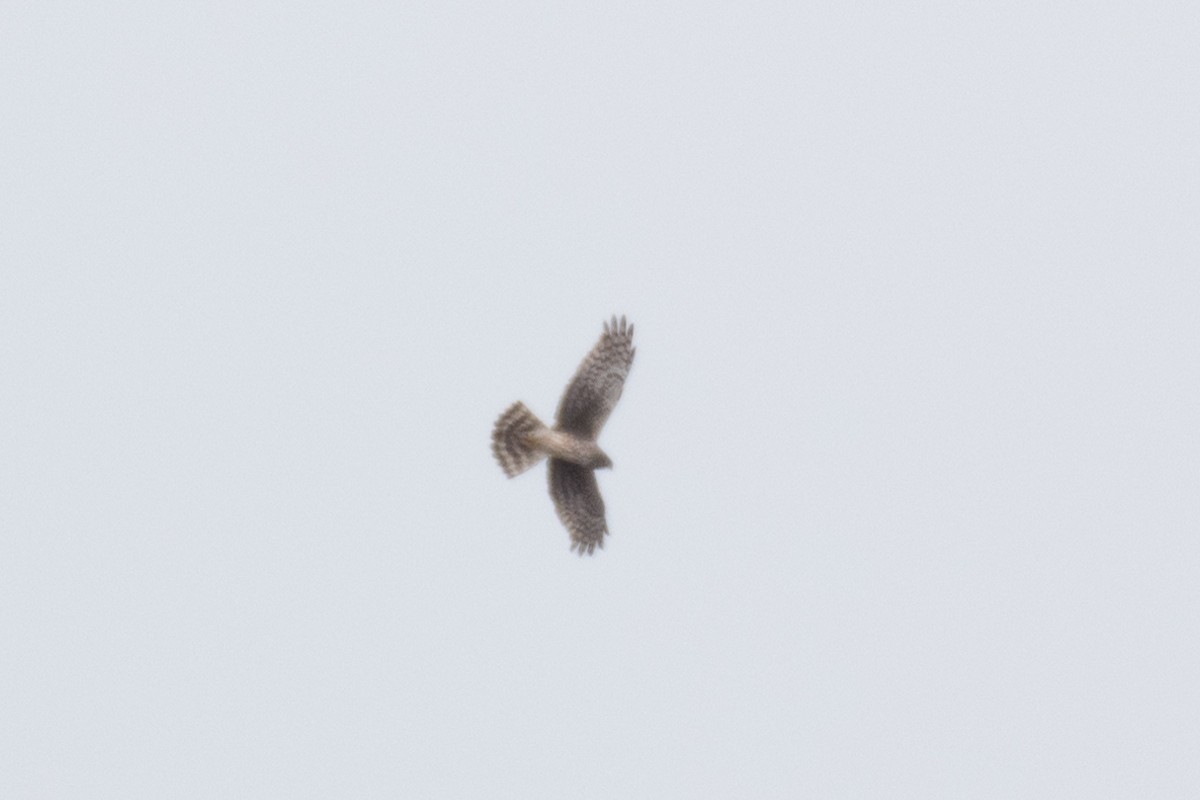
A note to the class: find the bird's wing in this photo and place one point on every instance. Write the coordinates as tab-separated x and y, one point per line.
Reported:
594	391
578	503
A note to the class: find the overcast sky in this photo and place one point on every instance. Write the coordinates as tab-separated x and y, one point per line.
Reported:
906	490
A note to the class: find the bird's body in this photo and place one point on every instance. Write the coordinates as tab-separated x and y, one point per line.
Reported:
520	440
569	447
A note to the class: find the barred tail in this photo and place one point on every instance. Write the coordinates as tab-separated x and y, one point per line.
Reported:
510	440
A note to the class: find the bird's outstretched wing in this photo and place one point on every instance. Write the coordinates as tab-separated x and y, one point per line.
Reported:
594	391
578	503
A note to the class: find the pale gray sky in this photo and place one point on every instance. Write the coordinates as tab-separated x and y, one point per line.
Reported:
905	499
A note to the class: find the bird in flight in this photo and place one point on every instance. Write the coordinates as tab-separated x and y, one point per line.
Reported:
520	440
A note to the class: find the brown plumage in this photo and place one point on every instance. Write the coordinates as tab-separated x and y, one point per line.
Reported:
520	440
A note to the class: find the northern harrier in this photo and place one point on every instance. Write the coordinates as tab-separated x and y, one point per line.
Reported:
520	440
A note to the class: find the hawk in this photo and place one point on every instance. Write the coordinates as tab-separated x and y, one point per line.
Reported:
520	440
